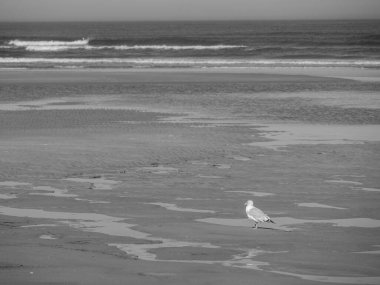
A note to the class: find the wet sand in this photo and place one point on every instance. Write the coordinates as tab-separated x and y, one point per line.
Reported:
140	177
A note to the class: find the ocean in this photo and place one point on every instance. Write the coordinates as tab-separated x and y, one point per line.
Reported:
190	44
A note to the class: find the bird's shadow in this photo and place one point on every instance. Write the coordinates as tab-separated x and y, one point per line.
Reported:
273	229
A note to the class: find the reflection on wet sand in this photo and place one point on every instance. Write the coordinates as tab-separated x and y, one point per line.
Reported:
370	251
52	192
13	184
283	135
318	205
7	196
366	189
335	279
256	194
174	207
282	223
98	183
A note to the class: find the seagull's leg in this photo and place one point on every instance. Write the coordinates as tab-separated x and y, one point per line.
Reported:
256	226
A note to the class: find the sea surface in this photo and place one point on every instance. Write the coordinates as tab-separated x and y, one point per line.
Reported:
191	44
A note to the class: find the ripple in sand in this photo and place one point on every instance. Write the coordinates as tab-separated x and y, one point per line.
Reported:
52	192
95	183
7	196
174	207
317	205
256	194
13	184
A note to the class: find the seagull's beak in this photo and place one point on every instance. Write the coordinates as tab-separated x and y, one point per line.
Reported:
245	203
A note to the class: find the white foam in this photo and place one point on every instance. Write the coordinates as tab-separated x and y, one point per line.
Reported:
49	45
21	43
171	47
52	46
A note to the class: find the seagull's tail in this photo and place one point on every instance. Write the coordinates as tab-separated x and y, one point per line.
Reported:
271	221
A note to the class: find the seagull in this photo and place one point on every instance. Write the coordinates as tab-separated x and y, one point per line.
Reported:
256	214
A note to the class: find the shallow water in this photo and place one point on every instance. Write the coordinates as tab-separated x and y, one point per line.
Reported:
370	251
39	225
283	135
318	205
344	182
96	183
159	169
13	184
241	158
47	237
366	189
93	201
54	192
210	176
334	279
7	196
282	223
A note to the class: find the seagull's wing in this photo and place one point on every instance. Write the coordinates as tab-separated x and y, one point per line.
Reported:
257	215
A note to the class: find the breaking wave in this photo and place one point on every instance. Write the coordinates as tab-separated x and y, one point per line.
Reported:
188	62
49	45
52	46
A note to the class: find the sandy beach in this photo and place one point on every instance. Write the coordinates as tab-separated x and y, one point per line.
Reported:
121	176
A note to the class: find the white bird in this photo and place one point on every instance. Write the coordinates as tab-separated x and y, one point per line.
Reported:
256	214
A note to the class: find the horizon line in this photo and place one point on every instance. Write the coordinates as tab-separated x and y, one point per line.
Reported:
186	20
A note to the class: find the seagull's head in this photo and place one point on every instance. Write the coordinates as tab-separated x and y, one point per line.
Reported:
249	203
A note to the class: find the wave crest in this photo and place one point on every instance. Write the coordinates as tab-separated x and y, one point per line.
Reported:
20	43
194	62
54	46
